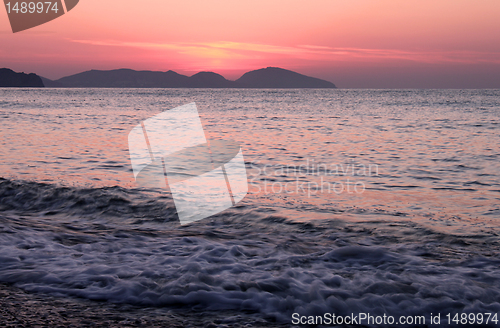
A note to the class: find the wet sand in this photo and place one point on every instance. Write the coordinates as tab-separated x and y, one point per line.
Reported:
21	309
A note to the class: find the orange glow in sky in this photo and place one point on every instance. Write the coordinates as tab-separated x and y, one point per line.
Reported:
353	43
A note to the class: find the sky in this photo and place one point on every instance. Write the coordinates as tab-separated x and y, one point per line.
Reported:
352	43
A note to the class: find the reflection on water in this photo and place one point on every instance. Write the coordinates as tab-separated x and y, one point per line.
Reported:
433	154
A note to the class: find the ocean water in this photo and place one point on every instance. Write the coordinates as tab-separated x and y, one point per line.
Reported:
374	201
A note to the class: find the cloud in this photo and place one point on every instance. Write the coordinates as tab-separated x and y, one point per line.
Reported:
242	50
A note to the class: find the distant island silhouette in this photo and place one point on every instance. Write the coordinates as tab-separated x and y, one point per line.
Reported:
9	78
270	77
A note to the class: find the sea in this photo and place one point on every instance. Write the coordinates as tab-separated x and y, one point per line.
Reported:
383	202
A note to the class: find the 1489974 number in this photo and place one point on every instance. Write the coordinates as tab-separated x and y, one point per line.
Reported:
32	7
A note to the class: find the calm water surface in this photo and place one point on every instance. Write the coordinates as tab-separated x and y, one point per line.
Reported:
431	155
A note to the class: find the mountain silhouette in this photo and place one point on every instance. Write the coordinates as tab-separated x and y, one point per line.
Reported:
275	77
9	78
271	77
51	84
125	78
210	80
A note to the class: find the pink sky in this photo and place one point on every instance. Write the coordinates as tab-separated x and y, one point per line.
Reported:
353	43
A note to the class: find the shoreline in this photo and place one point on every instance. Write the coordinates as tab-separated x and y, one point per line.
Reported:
19	308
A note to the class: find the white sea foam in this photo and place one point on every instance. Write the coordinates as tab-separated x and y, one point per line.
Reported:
244	261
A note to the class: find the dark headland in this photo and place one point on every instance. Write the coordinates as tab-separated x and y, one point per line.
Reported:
9	78
271	77
274	77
